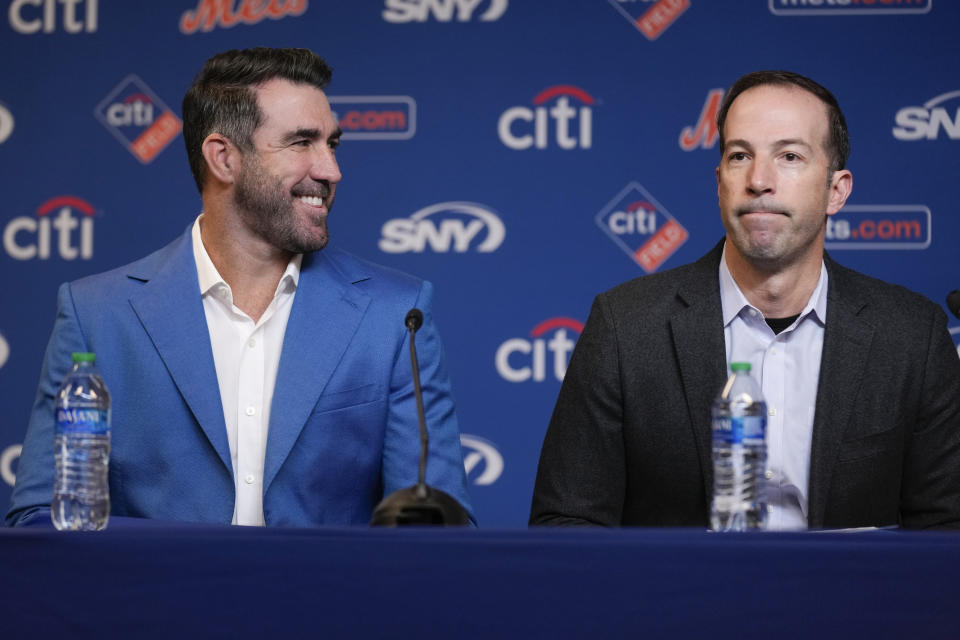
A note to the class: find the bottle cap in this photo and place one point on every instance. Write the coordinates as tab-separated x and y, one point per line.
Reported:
84	357
739	366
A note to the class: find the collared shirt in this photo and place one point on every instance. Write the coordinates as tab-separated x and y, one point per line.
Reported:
246	355
787	365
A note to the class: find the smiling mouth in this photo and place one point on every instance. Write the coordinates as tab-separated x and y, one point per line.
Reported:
313	201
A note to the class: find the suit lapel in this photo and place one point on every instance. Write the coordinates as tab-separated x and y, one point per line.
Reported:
170	309
326	313
846	344
697	329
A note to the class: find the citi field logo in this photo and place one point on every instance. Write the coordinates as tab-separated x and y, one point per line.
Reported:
522	359
847	7
210	14
4	351
481	460
521	128
138	119
6	123
375	117
877	226
7	458
641	227
28	238
651	17
402	11
35	16
704	134
930	120
445	227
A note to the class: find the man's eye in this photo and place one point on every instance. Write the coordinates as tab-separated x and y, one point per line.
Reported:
302	143
334	143
791	157
738	156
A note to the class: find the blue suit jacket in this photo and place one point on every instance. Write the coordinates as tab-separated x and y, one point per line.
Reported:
343	426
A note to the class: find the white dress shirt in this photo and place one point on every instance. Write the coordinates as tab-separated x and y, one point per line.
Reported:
787	365
246	355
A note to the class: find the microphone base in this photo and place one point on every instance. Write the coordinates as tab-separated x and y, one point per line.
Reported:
419	505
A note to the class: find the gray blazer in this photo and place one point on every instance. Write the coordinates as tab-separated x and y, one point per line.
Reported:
629	442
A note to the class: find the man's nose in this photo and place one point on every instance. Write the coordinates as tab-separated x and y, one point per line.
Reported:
325	166
761	177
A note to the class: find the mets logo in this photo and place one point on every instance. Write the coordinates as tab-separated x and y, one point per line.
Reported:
221	13
375	117
651	17
704	134
847	7
641	227
138	119
481	460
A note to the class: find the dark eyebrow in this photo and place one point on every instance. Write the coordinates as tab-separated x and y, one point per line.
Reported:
310	134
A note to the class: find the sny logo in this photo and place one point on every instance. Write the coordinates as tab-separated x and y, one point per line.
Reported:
138	119
551	334
9	454
447	226
375	117
847	7
399	11
478	450
37	243
704	134
917	123
641	227
220	13
6	123
651	21
561	113
4	351
31	22
878	226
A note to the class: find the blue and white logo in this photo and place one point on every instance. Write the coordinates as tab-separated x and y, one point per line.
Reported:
482	462
447	227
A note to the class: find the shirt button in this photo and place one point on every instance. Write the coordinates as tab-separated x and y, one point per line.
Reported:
252	342
251	411
773	351
768	475
249	478
772	411
753	312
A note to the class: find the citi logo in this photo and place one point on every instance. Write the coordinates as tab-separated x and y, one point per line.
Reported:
210	14
33	16
481	460
138	119
520	359
641	227
401	11
847	7
446	227
375	117
26	238
9	454
522	127
4	351
6	123
928	121
879	226
651	17
704	134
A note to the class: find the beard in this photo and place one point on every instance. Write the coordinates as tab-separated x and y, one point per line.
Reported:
267	209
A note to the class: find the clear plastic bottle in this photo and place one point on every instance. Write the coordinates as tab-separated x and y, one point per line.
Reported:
739	454
81	492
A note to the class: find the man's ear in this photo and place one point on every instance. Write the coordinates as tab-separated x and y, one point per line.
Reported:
841	184
222	156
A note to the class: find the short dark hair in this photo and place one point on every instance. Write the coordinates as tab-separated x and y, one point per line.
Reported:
838	140
222	97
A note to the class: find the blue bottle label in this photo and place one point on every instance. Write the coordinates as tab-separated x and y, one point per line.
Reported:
748	430
92	421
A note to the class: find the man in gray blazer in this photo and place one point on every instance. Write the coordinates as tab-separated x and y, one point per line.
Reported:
861	377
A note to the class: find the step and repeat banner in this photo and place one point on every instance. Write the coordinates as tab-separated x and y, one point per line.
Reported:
523	155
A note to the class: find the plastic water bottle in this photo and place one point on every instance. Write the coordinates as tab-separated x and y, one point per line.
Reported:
739	454
81	493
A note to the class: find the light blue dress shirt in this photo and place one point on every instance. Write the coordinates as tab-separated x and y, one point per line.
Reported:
787	365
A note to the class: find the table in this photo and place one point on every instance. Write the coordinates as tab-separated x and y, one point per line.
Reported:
183	580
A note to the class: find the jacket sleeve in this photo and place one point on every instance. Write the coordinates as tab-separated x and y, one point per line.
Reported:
580	477
33	491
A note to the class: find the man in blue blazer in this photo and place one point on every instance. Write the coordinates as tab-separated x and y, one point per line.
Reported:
255	379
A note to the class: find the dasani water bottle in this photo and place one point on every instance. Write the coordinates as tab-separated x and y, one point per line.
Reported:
81	493
739	454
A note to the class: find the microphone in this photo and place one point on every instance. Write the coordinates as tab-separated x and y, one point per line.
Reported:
953	302
420	504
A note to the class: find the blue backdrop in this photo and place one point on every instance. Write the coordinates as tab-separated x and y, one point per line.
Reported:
522	155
